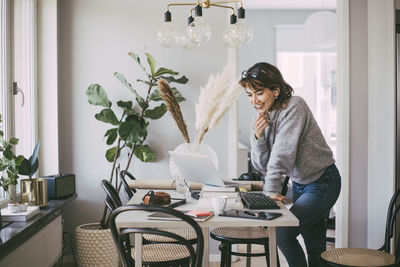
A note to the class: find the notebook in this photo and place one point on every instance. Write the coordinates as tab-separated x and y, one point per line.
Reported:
168	217
198	168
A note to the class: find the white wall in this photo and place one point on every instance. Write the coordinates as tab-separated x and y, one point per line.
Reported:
95	38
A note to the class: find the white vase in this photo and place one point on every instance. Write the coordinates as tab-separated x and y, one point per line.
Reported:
12	193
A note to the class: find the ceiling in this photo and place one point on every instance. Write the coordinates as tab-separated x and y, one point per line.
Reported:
289	4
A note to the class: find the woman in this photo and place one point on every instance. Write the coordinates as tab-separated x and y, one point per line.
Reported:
286	140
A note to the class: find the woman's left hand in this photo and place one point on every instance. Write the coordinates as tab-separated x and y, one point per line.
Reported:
277	197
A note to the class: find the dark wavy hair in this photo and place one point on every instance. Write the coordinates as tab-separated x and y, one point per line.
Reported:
264	75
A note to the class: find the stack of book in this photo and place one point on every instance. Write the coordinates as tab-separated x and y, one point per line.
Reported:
7	216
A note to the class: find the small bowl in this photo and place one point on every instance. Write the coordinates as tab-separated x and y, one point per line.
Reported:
23	207
13	207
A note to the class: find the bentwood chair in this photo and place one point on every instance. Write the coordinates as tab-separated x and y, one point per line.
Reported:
370	257
186	233
128	190
179	253
243	235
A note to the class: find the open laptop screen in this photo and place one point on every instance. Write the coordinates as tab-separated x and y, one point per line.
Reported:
197	167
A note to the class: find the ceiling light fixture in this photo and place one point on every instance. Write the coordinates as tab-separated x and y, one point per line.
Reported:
198	31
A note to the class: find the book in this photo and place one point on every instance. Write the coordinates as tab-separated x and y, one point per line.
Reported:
168	217
210	188
7	216
216	194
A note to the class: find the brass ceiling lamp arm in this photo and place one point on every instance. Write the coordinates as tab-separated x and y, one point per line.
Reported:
229	2
181	4
233	10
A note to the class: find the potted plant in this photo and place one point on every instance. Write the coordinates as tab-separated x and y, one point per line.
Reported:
127	135
33	190
9	164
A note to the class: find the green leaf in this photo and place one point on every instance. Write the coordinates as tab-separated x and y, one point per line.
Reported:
112	136
123	80
19	159
24	167
178	95
162	71
133	117
156	113
7	153
181	80
14	141
130	131
97	96
144	153
1	133
152	63
137	59
110	154
107	116
35	153
127	105
156	95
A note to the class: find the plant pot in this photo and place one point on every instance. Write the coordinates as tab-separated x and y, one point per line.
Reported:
95	246
34	192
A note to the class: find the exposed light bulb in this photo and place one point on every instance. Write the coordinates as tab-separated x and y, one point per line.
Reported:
245	31
168	35
199	31
230	36
186	43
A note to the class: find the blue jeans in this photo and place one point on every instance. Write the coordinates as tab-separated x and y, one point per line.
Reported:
312	203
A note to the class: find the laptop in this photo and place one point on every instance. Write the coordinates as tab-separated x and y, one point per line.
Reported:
198	168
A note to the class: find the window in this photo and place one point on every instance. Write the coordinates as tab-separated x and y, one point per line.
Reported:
17	73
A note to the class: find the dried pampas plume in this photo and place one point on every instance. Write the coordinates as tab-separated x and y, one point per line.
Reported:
215	99
173	106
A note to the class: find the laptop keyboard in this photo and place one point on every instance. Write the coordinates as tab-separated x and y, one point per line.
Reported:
257	201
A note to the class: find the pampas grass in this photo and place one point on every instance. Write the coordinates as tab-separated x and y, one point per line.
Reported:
215	99
173	106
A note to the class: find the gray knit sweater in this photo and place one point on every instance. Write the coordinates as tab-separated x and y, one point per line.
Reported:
292	145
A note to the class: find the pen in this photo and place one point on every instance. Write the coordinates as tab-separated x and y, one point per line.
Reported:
250	213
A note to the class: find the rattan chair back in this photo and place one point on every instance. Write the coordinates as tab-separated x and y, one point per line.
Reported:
112	200
123	242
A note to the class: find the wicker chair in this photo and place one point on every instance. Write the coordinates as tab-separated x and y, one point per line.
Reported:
186	233
243	235
370	257
180	253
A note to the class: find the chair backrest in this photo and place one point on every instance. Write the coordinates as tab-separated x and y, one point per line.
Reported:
112	200
128	191
390	224
121	238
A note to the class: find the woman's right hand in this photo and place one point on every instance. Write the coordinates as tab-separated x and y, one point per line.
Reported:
260	124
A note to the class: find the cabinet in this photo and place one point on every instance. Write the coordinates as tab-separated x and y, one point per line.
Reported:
42	249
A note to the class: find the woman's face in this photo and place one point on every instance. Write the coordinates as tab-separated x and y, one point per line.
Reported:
261	99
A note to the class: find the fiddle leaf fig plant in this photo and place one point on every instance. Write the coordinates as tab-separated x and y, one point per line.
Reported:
129	118
29	166
9	162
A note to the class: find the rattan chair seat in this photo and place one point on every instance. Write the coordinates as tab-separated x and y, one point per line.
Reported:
241	232
358	257
162	252
186	233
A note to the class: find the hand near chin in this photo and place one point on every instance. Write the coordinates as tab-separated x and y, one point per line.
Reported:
260	124
277	197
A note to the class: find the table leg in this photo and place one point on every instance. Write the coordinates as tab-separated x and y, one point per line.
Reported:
138	250
206	254
272	246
